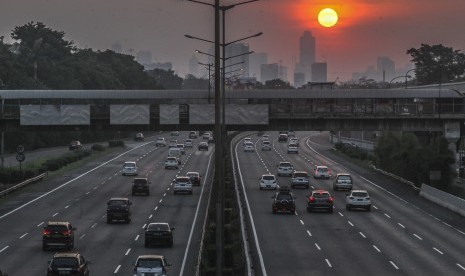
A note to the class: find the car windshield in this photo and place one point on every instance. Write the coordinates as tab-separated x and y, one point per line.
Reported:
183	180
321	195
140	181
158	227
117	202
57	228
285	165
268	177
129	165
284	197
64	262
344	177
149	263
170	159
300	175
322	169
360	194
192	174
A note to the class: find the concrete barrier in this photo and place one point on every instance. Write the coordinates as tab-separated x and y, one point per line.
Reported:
444	199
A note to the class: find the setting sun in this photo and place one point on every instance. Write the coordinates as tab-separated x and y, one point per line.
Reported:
327	17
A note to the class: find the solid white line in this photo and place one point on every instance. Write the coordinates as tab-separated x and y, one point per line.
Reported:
137	237
394	265
301	222
308	232
127	252
195	219
117	269
401	225
447	224
329	264
317	246
351	224
361	234
67	183
418	237
4	248
459	265
376	248
437	250
24	235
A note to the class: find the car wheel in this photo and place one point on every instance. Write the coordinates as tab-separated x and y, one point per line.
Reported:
146	244
44	247
274	212
148	193
331	210
369	208
108	220
309	210
128	221
348	207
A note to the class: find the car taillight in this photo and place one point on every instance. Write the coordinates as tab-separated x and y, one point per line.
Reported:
66	233
311	199
46	232
330	199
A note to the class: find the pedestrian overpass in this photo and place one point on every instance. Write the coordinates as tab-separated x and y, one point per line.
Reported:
433	109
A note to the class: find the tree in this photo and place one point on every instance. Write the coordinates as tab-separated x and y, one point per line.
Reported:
276	84
166	79
437	63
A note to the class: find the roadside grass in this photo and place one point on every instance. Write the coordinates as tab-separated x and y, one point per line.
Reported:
366	164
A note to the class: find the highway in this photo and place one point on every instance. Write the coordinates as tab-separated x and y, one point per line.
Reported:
402	235
80	197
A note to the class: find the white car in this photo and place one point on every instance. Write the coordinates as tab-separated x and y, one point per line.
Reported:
266	145
129	168
188	143
294	140
246	140
268	181
171	163
292	149
358	199
322	172
160	142
248	147
182	184
300	178
206	136
151	265
343	181
265	137
285	169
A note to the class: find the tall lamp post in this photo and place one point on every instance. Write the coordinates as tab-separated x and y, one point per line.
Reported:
208	66
407	76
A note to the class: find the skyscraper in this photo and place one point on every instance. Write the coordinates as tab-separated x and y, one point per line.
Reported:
307	54
255	62
319	72
234	50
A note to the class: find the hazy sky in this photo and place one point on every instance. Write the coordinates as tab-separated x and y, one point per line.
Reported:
366	29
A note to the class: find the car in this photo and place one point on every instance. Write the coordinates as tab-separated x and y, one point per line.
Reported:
171	162
343	181
320	200
291	133
211	140
292	149
265	137
140	186
300	178
282	137
203	146
268	181
182	184
294	140
285	169
160	142
176	152
246	140
181	148
75	145
119	208
174	133
173	143
206	136
129	168
248	147
283	201
358	199
58	234
71	263
193	134
266	145
155	265
158	233
195	178
188	143
139	137
322	172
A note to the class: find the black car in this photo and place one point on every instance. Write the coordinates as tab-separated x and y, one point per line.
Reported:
320	200
203	146
140	186
119	208
282	137
195	178
75	145
68	264
58	234
158	233
283	201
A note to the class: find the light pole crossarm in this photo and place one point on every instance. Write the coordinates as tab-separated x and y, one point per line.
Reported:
243	54
244	38
228	7
198	38
203	3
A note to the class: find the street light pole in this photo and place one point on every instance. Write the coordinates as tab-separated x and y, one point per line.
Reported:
209	78
406	76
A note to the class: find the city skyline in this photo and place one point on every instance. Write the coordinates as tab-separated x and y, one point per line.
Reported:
365	31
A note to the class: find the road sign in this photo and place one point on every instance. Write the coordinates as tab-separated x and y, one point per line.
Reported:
20	149
20	157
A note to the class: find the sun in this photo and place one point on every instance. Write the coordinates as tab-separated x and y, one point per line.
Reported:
327	17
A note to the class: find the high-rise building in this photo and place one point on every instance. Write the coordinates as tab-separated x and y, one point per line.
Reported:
241	62
299	79
307	54
144	57
194	66
319	72
255	62
269	72
386	69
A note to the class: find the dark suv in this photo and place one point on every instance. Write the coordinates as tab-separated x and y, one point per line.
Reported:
140	186
320	199
119	208
283	201
58	234
195	178
68	264
158	233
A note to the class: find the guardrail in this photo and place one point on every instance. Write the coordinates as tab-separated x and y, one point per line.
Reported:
444	199
410	183
22	184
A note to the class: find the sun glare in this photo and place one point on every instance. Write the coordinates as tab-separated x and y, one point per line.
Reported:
327	17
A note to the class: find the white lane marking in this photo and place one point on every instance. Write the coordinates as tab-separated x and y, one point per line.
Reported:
317	246
67	183
24	235
351	224
117	269
376	248
54	215
38	225
400	224
164	194
156	207
295	213
195	219
301	222
437	250
418	237
161	200
93	225
459	265
82	236
168	189
394	265
447	224
361	234
308	232
387	215
87	193
375	207
329	264
143	226
67	206
150	217
96	187
340	214
4	248
137	237
127	252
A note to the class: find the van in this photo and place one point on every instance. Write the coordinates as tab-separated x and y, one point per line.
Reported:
175	152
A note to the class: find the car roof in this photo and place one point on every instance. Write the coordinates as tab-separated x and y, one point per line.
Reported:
150	257
300	172
58	223
342	174
130	162
320	191
157	223
119	198
192	172
321	167
359	191
66	254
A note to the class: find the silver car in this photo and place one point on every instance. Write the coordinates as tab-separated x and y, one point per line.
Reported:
285	169
155	265
358	199
343	181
